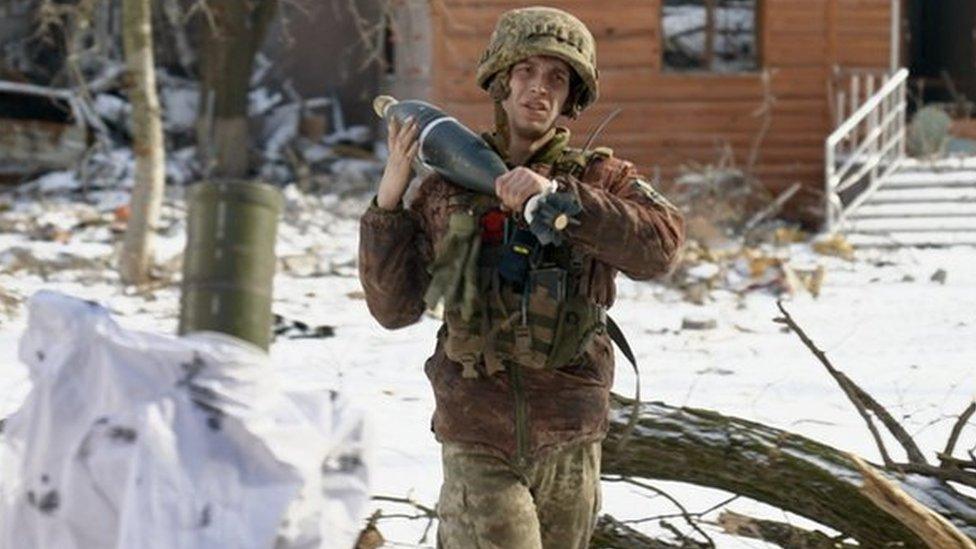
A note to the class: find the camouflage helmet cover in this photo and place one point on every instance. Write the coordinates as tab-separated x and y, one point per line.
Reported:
524	32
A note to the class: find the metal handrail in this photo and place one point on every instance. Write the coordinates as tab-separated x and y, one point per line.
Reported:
869	144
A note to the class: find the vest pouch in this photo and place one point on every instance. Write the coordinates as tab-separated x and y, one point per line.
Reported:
560	327
463	343
528	341
579	321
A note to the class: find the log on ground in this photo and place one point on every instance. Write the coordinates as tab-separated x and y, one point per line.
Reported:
773	466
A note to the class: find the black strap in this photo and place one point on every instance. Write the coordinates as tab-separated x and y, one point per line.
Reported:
617	336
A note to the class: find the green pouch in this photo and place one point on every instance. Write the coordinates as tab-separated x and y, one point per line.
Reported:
558	328
578	322
454	271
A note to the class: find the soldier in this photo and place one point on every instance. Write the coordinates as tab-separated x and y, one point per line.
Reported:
523	364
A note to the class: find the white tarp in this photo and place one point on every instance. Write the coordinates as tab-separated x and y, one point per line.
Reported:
134	440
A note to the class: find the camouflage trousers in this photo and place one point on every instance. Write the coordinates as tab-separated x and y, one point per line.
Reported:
486	503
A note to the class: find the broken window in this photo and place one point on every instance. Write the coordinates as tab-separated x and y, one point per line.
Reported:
709	35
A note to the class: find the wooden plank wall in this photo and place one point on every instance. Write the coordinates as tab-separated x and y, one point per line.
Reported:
671	120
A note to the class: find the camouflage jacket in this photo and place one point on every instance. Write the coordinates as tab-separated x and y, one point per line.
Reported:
624	226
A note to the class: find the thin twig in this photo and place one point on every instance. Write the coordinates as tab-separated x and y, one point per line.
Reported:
766	112
689	517
942	473
958	427
845	383
956	462
426	512
696	515
861	398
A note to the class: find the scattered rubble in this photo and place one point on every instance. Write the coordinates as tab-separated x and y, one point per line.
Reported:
735	244
690	323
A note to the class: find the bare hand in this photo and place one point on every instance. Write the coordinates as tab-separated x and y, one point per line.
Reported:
517	186
403	144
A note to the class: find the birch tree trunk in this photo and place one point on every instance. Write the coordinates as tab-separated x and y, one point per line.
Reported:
147	143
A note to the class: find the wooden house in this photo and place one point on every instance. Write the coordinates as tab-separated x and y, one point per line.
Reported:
771	100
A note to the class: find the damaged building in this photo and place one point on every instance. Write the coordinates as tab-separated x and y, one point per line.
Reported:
768	79
758	84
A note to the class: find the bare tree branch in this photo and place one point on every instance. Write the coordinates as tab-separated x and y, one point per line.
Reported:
426	512
861	400
684	512
780	533
934	529
957	429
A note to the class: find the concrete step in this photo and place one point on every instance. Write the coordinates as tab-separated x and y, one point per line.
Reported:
899	210
894	195
911	224
922	204
924	180
902	239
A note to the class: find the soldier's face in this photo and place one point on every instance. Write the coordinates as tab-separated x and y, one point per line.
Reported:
539	89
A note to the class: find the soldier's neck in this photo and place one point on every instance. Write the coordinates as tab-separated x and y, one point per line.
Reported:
521	148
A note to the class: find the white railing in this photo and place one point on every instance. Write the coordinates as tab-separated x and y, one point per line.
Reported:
865	148
850	87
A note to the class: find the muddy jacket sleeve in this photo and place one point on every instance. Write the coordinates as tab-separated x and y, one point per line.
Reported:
625	222
393	256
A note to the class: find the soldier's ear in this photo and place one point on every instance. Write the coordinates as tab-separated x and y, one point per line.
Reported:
576	90
499	87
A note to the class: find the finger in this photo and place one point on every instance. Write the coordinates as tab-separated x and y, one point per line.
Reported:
412	150
409	136
413	130
391	133
408	132
500	182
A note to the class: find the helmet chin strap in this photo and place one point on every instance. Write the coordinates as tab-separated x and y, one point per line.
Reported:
501	130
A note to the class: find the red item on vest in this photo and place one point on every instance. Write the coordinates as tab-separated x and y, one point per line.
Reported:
493	226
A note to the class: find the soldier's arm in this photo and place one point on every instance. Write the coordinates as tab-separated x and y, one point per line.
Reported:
393	256
626	223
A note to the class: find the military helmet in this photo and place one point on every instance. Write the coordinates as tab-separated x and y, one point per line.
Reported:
524	32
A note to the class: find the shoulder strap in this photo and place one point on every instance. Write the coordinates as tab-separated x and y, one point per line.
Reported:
471	201
575	161
617	336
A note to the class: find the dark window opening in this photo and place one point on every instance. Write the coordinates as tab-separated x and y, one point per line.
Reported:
709	35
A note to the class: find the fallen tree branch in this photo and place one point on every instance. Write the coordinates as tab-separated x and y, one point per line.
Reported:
772	208
611	533
957	429
426	512
684	512
782	469
937	532
861	400
780	533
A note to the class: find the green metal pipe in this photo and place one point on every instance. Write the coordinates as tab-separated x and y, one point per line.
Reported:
229	262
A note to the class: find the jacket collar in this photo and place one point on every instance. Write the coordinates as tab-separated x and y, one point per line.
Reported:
547	154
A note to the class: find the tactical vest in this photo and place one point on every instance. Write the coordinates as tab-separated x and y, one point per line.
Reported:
548	324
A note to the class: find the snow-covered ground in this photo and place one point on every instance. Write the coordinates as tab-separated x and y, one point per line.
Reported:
907	339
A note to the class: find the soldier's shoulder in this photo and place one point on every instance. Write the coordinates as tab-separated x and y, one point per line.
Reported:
586	156
604	161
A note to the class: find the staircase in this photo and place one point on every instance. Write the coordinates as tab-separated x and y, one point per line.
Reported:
874	194
919	204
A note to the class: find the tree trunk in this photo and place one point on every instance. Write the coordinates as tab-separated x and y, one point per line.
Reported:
782	469
147	144
229	47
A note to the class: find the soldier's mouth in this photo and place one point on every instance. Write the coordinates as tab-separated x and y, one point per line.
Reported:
537	108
